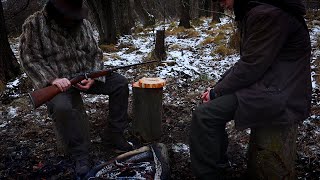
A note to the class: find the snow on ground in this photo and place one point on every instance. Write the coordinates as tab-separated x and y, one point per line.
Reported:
181	148
190	56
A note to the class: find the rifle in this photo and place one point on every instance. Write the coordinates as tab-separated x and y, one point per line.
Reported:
41	96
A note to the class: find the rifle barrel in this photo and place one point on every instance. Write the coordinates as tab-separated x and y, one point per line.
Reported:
106	72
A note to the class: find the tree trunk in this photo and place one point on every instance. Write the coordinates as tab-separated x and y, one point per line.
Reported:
205	7
9	67
160	51
146	18
123	17
185	13
104	18
217	9
195	9
272	152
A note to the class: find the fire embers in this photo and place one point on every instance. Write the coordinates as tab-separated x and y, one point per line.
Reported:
148	162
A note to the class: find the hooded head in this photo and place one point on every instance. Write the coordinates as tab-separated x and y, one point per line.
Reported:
67	13
296	7
73	9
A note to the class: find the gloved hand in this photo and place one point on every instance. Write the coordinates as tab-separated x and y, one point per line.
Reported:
212	94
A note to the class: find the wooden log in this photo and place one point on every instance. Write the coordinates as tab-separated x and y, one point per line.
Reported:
147	109
159	50
272	152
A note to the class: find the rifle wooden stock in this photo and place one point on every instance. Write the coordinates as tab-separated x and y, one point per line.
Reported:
43	95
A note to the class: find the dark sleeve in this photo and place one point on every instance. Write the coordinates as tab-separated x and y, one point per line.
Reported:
265	36
224	75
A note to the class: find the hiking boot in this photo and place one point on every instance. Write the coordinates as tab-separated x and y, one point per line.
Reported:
82	167
117	142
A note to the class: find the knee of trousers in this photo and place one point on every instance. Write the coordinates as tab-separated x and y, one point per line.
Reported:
123	84
204	118
61	109
197	112
122	80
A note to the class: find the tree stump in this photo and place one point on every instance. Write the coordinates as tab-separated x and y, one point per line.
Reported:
272	152
147	111
159	49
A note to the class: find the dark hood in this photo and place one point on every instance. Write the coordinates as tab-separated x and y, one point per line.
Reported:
296	7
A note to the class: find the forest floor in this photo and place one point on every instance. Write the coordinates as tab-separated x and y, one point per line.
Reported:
195	60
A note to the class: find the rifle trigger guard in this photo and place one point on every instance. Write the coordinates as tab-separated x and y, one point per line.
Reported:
86	76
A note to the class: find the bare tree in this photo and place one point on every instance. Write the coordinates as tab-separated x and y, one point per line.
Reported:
205	7
123	16
216	11
185	13
194	11
16	11
9	67
146	18
102	11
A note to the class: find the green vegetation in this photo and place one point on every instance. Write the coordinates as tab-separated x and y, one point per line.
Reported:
234	42
175	47
115	57
204	77
131	49
138	29
197	22
108	48
218	38
222	50
181	32
208	40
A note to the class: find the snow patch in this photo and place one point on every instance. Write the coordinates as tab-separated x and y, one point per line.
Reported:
180	148
12	112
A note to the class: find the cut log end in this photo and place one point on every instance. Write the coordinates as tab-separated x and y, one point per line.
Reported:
150	83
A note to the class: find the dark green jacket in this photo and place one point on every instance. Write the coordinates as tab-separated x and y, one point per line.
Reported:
272	79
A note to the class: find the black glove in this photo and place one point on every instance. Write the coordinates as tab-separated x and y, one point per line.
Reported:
212	94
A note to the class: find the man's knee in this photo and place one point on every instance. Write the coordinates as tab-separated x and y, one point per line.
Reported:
196	116
199	110
123	85
121	80
62	109
59	107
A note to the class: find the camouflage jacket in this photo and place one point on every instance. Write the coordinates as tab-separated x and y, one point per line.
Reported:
48	51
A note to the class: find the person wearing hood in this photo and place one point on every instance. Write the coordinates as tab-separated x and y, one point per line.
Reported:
270	85
57	44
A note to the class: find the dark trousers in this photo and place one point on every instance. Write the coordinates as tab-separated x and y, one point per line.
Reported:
208	138
71	122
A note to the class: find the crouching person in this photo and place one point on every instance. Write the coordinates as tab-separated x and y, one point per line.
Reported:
56	44
269	85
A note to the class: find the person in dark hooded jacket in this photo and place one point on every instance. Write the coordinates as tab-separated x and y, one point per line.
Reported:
269	85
